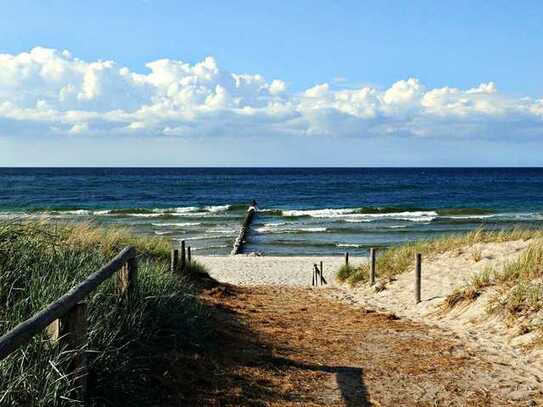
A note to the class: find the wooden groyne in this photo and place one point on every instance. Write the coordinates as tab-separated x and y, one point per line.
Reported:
241	239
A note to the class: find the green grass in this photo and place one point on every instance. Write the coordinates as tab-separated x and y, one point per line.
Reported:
127	339
399	259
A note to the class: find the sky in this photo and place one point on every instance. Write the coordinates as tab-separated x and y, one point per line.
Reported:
300	83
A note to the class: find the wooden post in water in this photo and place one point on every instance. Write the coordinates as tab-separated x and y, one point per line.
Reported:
347	259
189	255
127	277
418	277
372	266
70	332
174	261
183	257
242	236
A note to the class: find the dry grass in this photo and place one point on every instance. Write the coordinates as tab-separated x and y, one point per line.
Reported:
472	291
108	240
399	259
476	254
517	289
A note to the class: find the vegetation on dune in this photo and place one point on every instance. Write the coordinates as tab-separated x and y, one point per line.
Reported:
399	259
127	339
517	288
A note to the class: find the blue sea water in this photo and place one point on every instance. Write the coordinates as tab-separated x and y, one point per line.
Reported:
301	210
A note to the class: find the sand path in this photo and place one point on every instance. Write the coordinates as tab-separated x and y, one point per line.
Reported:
285	346
511	368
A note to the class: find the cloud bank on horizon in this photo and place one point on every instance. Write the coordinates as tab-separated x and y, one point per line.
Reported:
50	92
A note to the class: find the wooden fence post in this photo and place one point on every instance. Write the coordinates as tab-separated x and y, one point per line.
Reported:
71	334
174	260
183	257
418	277
347	259
372	266
189	255
127	277
322	273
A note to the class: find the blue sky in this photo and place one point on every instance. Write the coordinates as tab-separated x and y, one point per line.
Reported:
284	83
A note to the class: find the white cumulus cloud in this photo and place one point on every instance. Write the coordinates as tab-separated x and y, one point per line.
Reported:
58	93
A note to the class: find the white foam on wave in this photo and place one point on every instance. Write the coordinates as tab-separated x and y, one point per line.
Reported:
226	231
200	237
102	213
144	215
217	208
319	213
275	229
78	212
274	224
176	224
467	216
156	212
351	215
349	245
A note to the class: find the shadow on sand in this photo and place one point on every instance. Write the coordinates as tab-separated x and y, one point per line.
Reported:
242	370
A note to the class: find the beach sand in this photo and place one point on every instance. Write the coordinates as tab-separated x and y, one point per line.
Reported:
248	270
441	274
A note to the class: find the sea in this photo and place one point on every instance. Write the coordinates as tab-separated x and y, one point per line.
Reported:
301	211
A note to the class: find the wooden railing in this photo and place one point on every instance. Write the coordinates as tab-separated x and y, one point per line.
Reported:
66	318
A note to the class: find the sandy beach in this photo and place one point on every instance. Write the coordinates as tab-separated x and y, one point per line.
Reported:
248	270
441	274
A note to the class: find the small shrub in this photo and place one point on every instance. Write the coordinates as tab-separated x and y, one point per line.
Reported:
344	272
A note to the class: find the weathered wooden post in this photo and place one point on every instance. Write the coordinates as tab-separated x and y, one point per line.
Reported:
347	259
372	266
322	274
174	260
70	332
127	277
242	236
189	255
183	257
418	277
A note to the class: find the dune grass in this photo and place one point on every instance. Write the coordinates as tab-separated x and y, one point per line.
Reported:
41	261
517	288
399	259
